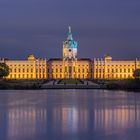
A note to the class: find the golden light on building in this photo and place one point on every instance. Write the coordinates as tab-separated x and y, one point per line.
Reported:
108	69
70	66
31	68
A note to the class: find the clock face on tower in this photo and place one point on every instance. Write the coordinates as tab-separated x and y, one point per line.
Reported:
70	47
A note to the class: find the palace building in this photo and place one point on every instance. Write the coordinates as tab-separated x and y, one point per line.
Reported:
69	66
31	68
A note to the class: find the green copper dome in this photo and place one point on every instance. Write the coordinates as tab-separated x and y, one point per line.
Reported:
70	41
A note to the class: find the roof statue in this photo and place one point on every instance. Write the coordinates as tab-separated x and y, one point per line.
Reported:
69	29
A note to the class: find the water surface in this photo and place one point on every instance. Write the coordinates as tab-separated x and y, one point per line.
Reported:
69	115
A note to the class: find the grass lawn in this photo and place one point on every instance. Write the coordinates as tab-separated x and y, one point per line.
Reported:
70	81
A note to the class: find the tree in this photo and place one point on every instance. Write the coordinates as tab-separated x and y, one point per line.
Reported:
136	74
4	70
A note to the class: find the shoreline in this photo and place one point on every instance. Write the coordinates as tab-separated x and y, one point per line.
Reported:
75	88
125	85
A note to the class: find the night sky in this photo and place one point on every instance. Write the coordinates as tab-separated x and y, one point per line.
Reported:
99	26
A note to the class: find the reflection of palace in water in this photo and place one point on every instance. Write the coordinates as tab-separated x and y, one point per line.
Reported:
70	66
29	121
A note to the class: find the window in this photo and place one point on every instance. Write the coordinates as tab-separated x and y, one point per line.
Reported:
124	75
79	70
96	70
83	76
70	69
108	70
74	69
65	69
124	70
96	75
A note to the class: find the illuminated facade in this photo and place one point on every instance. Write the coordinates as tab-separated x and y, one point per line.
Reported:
31	68
110	69
61	69
69	66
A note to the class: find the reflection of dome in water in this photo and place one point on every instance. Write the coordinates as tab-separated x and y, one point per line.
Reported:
108	58
31	57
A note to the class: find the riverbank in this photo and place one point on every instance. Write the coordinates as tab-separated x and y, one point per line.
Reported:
128	85
21	84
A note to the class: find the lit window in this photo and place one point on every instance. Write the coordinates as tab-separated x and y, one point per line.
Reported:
124	70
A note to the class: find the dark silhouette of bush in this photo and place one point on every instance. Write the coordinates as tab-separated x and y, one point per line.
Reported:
136	74
4	70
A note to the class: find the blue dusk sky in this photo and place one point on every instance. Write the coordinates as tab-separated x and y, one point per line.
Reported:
99	26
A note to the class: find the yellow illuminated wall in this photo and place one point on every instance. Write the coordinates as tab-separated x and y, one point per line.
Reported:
60	69
108	69
31	68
